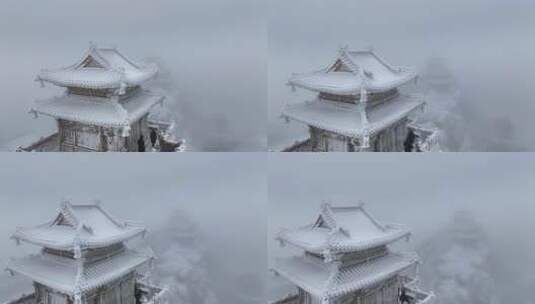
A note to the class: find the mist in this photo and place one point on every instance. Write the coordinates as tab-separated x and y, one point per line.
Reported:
423	192
486	44
212	56
207	226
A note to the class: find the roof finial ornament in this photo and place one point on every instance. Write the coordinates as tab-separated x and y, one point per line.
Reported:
65	202
343	49
92	45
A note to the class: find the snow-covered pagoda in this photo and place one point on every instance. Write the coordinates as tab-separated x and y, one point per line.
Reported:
347	259
85	260
104	108
359	107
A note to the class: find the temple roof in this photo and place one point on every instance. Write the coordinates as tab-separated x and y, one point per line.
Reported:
350	71
343	229
79	227
345	119
98	110
100	68
65	275
327	280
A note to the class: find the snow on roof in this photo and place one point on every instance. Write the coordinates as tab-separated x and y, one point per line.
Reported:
87	226
327	280
61	273
345	118
343	229
97	110
350	71
100	68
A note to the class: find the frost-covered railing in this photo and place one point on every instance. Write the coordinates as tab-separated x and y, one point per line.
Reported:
300	146
25	299
167	141
426	138
290	299
150	294
43	144
416	295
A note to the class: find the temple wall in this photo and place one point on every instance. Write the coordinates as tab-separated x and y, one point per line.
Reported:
325	141
384	293
78	137
139	129
45	295
391	139
119	292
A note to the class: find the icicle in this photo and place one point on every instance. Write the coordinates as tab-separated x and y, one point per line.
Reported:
122	88
125	131
78	298
365	140
35	114
328	256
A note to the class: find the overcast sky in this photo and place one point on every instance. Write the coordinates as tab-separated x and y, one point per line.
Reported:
223	194
486	43
212	53
421	191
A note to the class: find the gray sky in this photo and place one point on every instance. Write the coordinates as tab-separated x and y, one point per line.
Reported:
223	194
487	44
213	54
421	191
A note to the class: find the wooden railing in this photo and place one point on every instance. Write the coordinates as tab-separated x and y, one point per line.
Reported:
150	294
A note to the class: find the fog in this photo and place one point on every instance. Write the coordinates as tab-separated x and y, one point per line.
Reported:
423	192
218	200
212	54
487	44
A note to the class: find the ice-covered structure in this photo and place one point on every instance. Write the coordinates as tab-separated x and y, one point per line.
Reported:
347	259
359	107
104	107
84	260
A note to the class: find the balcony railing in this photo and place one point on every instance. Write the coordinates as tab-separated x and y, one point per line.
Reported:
414	293
426	138
150	294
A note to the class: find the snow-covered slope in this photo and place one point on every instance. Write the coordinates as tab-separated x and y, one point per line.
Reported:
181	262
458	264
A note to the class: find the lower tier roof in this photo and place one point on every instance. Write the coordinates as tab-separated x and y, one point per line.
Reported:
344	118
61	273
98	111
323	280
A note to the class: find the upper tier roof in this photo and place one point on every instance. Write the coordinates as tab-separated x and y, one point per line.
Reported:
350	71
65	275
79	227
325	281
97	110
345	119
343	229
100	68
